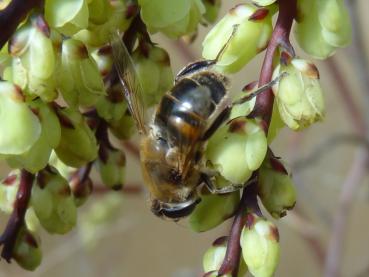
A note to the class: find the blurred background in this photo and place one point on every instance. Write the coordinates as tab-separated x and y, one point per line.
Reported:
329	162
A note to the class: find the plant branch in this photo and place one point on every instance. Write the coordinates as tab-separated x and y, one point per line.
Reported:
16	220
263	109
12	15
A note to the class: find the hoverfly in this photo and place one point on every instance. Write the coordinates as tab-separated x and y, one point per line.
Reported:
173	143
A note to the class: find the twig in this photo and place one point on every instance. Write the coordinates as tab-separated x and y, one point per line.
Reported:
16	220
329	144
12	15
263	109
335	248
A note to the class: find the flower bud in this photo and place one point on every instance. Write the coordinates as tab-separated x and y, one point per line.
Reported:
37	157
53	202
79	79
113	106
111	16
299	95
64	170
20	127
212	8
78	144
214	256
276	189
123	128
27	252
237	149
213	210
154	72
8	190
260	246
322	27
176	18
251	37
34	59
68	17
111	165
335	21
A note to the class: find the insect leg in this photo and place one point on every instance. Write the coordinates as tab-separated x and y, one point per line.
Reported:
214	190
219	120
205	64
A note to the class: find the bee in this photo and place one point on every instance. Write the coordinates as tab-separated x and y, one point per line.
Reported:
172	145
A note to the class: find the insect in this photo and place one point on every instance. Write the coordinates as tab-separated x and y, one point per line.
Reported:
173	143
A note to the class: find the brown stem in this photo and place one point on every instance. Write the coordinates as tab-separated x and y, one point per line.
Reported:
12	15
264	109
16	220
248	203
280	38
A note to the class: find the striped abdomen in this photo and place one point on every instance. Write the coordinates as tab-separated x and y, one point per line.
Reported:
183	113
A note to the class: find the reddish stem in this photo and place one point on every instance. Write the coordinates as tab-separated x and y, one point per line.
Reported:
263	109
16	220
280	37
12	15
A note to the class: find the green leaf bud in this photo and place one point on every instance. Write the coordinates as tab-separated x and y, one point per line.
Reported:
299	95
212	8
237	149
20	127
27	252
111	165
78	144
250	38
79	79
214	256
260	246
213	210
174	19
123	128
68	17
53	202
154	72
37	157
322	27
276	189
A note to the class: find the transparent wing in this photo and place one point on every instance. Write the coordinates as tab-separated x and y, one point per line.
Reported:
129	80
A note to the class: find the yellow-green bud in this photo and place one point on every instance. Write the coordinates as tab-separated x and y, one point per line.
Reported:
323	25
260	246
111	165
68	17
213	210
237	149
27	252
154	72
123	128
53	202
276	189
251	37
214	256
79	78
20	127
212	8
37	157
173	18
78	144
299	95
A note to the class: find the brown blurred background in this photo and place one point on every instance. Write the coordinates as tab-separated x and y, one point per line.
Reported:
333	192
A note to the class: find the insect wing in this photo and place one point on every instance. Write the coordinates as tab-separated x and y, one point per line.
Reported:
131	85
